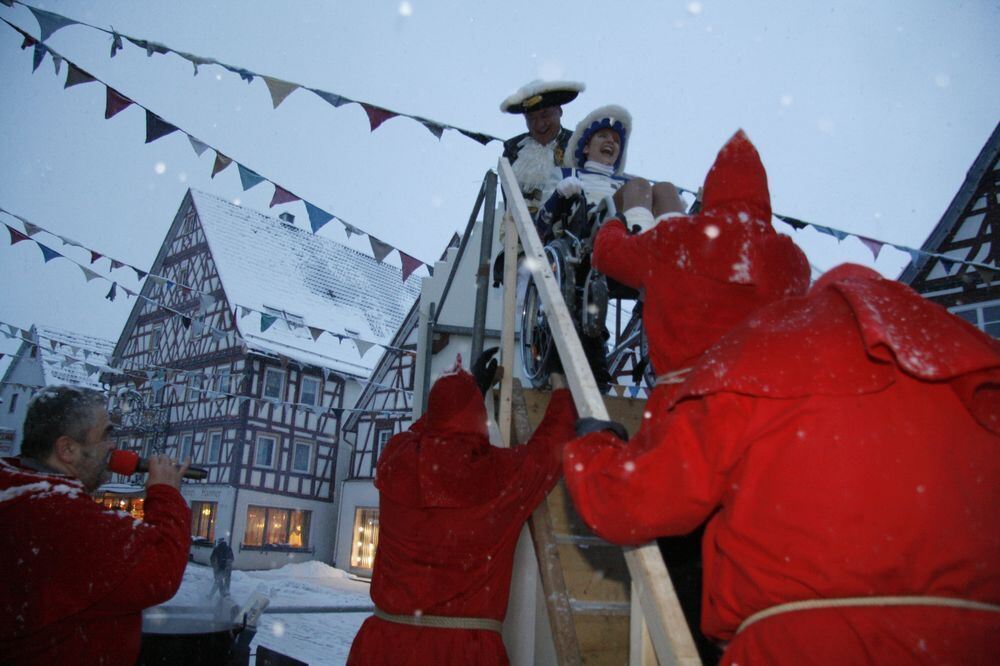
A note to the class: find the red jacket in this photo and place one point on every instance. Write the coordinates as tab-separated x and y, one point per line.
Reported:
76	574
451	509
842	444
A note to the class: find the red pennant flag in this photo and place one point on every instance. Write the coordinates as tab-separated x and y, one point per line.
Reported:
409	264
281	195
115	264
15	235
115	102
873	245
377	115
221	162
94	256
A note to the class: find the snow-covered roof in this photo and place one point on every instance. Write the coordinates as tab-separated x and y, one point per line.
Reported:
268	265
93	354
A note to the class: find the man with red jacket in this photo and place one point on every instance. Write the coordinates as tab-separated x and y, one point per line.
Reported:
76	574
451	508
842	443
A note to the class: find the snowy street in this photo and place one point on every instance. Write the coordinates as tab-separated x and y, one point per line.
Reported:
319	639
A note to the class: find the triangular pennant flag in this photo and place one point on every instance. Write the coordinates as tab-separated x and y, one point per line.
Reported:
244	74
873	245
89	274
380	249
68	241
185	321
129	292
376	115
48	22
266	320
47	252
279	89
29	228
620	389
90	369
115	264
157	127
331	98
221	162
409	264
115	103
116	44
198	146
75	76
246	311
947	264
633	391
838	234
57	61
94	256
350	229
362	345
139	274
435	128
38	56
197	327
798	225
247	177
986	275
15	235
207	301
317	216
823	230
281	195
476	136
914	254
315	332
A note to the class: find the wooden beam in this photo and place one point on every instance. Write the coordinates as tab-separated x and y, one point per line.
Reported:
507	326
662	611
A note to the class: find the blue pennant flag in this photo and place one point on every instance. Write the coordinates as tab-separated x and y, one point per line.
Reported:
48	22
249	178
39	55
48	253
317	216
113	292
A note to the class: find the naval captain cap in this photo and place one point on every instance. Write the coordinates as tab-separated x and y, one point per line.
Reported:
540	95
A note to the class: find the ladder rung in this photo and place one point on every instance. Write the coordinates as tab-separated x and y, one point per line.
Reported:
583	540
600	607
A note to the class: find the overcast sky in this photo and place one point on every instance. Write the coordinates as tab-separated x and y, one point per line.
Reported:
867	116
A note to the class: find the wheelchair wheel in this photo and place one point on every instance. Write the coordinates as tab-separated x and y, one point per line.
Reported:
648	371
594	306
538	348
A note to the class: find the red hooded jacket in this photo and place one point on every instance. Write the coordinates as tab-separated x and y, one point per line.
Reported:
78	575
841	444
451	508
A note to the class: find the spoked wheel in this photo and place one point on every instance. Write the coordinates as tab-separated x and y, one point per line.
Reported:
538	348
648	372
594	308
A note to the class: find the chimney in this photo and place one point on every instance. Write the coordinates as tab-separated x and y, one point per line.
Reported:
287	218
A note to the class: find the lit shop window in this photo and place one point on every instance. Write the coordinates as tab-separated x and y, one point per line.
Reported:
130	505
270	527
203	520
365	538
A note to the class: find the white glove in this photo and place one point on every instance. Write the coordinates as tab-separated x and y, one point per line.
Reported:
569	186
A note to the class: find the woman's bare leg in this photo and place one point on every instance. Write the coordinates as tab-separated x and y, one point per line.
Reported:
636	193
665	199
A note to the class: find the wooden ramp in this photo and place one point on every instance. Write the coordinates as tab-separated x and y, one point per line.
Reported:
585	579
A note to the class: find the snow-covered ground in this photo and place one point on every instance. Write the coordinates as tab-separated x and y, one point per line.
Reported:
315	638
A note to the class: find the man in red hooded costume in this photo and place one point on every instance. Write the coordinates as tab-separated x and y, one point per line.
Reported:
844	444
451	508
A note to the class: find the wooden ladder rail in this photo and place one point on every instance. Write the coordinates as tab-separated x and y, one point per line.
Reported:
661	615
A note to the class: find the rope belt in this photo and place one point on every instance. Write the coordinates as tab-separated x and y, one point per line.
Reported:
442	621
810	604
675	377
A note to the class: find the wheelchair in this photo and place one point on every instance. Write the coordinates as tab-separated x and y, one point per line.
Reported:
587	293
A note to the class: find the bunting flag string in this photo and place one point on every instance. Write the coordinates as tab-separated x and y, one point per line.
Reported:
161	376
157	127
206	299
278	89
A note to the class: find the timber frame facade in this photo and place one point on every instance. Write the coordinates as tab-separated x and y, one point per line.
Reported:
265	425
969	231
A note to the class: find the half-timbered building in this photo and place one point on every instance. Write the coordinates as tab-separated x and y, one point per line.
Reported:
240	354
957	267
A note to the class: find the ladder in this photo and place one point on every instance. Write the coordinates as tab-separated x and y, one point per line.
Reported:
587	593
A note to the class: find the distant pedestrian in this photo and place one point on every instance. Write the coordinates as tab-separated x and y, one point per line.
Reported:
222	567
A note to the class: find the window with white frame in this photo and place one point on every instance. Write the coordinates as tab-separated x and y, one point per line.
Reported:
214	446
194	388
266	445
302	456
984	316
274	383
365	539
187	442
309	391
382	437
223	381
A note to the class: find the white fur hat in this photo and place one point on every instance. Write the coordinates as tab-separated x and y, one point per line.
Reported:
611	116
541	94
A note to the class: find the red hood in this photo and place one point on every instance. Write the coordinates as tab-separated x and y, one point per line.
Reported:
737	177
444	460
